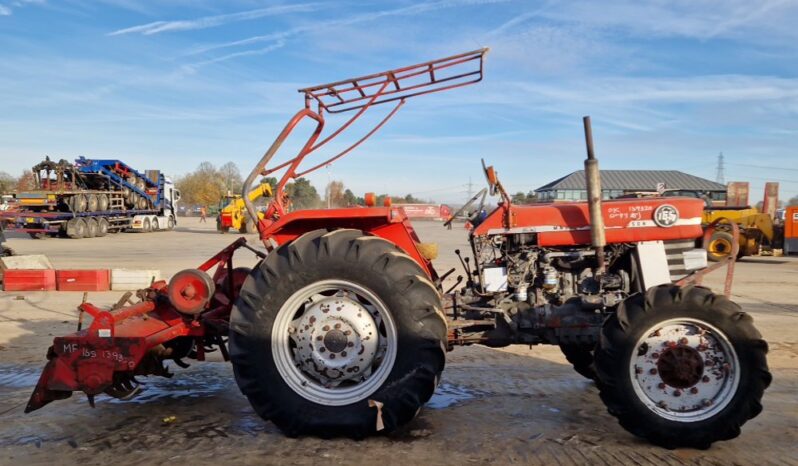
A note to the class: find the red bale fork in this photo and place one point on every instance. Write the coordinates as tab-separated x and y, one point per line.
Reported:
342	327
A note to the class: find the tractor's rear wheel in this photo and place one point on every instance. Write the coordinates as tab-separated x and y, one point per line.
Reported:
681	367
581	357
338	334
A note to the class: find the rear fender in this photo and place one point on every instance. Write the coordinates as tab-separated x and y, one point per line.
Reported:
389	223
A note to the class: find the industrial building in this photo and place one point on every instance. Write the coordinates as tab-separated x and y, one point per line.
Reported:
615	183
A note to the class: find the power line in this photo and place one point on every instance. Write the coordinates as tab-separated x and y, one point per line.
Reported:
448	188
780	180
763	167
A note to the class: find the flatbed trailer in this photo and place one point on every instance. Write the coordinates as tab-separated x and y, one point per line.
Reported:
41	224
92	198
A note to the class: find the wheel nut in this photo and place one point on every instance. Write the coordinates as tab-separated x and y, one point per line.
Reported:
322	349
677	393
326	328
683	340
662	385
706	402
332	355
291	330
694	390
652	371
655	355
705	379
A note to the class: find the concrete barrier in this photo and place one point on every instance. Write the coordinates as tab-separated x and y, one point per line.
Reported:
28	262
131	280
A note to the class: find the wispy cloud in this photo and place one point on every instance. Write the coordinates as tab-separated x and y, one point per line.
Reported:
8	8
246	53
696	19
412	10
214	21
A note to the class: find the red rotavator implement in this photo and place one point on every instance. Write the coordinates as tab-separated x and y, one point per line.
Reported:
343	327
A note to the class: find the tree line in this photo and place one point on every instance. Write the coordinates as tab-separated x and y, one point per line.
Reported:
207	185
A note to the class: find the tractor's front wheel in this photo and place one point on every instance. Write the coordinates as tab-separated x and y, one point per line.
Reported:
681	367
580	356
338	334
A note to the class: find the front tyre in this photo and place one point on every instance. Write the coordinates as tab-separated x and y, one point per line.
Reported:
337	334
580	355
681	367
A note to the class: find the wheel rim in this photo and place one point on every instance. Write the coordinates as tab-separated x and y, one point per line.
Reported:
720	246
334	342
684	370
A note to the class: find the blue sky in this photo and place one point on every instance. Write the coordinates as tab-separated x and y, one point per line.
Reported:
669	84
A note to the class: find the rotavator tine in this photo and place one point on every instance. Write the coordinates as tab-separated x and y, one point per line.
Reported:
182	364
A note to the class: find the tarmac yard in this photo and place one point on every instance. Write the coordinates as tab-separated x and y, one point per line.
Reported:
516	405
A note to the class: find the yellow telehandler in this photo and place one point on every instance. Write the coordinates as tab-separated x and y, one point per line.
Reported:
233	213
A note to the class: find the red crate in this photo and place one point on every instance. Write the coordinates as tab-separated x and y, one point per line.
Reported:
29	280
83	280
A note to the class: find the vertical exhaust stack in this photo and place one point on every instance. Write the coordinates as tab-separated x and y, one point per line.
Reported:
593	180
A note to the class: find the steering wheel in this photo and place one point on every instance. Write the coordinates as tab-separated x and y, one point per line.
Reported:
481	194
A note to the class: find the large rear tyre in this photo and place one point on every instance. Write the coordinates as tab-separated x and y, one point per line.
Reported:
337	334
681	367
581	357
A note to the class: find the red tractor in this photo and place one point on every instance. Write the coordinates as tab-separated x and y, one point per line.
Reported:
342	328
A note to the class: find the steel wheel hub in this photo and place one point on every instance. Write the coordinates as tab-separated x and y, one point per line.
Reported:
336	340
684	370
